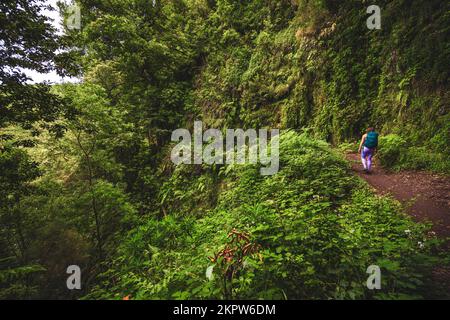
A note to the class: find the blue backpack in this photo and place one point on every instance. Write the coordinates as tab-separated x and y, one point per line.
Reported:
371	140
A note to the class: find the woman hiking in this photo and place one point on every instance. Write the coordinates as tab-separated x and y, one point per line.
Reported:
367	148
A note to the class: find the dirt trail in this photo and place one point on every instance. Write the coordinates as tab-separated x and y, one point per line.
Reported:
425	195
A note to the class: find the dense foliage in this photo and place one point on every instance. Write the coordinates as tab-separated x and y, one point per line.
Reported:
310	232
85	170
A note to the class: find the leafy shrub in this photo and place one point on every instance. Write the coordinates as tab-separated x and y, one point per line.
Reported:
394	153
421	158
440	141
390	148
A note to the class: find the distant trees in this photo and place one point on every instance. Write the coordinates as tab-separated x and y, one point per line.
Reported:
27	40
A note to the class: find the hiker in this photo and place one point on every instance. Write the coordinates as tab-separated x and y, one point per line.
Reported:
367	148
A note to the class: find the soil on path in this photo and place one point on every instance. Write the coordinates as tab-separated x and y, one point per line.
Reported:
426	196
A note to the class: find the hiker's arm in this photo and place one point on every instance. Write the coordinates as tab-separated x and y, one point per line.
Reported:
361	143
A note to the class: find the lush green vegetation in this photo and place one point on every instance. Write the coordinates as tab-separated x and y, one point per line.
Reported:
85	170
311	230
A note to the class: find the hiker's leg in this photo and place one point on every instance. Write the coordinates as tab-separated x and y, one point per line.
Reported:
369	159
363	158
